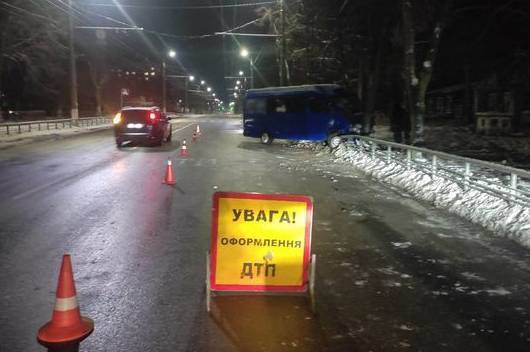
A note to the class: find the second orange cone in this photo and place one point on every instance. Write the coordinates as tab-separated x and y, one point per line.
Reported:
170	178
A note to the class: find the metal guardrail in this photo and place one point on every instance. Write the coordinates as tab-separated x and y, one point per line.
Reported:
508	183
21	127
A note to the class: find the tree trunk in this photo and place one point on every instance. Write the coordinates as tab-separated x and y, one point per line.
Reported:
409	64
417	88
372	87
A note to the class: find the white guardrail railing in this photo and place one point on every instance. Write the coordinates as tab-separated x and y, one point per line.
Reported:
28	126
508	183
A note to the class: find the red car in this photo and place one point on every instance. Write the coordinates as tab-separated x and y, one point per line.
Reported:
146	125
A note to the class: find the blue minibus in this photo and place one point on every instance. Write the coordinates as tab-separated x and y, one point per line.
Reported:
317	112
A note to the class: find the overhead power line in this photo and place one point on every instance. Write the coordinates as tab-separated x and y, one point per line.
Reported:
155	7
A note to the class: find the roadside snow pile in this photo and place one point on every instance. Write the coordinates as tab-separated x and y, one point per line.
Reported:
502	217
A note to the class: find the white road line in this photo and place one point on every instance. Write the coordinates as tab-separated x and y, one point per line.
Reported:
180	129
36	189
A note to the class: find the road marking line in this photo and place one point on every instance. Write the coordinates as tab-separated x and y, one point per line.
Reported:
180	129
36	189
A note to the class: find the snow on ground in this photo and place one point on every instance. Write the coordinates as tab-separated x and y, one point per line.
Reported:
11	140
502	217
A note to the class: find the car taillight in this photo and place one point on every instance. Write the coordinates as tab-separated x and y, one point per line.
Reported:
152	118
117	118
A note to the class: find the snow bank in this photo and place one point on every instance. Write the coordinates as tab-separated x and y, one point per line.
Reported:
502	217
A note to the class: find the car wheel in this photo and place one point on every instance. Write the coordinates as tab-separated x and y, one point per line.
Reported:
118	143
168	139
266	138
334	141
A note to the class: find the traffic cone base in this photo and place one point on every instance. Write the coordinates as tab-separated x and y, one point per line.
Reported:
51	334
170	178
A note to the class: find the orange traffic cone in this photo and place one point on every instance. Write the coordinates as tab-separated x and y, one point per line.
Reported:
170	178
198	130
184	149
67	328
194	137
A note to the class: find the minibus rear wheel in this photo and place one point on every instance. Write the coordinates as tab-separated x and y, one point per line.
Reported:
266	138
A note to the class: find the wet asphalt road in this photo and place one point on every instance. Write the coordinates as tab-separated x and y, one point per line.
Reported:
393	274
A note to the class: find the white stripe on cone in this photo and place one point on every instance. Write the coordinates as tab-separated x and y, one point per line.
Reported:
64	304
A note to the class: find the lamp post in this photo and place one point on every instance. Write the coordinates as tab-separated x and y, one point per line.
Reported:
244	53
186	103
74	111
172	54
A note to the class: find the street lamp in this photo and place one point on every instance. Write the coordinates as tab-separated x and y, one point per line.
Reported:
172	54
208	89
241	73
202	82
245	53
190	78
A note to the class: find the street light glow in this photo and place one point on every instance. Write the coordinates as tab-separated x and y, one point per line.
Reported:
238	82
202	82
244	52
209	89
213	94
172	53
241	73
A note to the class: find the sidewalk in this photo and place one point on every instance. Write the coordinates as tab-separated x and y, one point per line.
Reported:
14	139
8	141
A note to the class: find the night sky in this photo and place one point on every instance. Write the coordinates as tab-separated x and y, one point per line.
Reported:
169	25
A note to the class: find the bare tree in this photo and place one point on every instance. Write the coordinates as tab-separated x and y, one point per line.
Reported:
428	17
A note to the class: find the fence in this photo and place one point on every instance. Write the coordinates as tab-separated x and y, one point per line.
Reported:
24	127
508	183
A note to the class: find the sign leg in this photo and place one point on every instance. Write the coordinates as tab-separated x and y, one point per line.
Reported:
208	292
312	282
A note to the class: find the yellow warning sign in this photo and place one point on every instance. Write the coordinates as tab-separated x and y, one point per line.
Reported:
260	242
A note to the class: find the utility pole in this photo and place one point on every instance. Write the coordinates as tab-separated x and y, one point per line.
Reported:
74	111
251	72
164	86
282	43
186	107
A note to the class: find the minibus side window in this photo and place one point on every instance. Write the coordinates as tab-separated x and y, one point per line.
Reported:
260	106
319	105
251	106
276	104
295	104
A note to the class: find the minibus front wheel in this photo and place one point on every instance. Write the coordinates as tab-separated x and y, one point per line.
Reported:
334	141
266	138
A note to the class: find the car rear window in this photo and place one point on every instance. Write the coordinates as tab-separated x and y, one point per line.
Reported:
135	116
